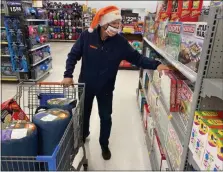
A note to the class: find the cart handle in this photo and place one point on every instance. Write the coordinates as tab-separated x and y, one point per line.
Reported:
48	83
56	83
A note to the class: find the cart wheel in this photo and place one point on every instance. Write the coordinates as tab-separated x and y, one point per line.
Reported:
85	167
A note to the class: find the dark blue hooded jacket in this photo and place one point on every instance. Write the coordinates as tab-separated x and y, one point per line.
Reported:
101	59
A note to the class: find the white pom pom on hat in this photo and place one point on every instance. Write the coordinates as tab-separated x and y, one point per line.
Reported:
105	15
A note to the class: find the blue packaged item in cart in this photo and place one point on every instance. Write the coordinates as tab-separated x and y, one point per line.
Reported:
44	97
62	103
51	125
19	139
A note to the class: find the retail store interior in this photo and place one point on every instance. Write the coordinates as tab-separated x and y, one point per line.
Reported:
161	121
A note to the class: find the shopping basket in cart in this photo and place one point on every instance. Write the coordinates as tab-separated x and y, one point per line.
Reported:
30	97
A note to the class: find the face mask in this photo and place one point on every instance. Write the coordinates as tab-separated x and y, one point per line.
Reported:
111	31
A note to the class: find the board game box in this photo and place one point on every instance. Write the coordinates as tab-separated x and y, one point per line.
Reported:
162	31
191	44
173	39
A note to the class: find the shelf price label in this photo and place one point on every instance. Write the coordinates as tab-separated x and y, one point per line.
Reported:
129	18
14	8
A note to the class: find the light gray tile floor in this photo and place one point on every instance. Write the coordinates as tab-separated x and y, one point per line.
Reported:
127	141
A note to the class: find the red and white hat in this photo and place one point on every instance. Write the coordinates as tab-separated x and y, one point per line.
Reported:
104	16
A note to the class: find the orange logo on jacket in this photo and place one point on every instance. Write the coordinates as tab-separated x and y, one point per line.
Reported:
94	47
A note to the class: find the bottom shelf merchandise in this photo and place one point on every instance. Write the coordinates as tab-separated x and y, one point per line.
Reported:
206	141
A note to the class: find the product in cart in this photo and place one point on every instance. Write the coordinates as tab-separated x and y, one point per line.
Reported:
191	44
10	111
213	156
19	138
62	103
173	39
47	122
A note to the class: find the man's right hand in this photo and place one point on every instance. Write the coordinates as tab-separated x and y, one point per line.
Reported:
66	82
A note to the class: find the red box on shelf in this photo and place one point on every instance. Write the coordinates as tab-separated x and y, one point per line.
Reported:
196	10
186	10
145	115
176	10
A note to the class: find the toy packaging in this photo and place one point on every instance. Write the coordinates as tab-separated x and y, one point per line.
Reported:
185	96
186	10
164	10
150	28
198	116
206	125
141	100
196	10
10	111
158	150
173	147
145	115
161	39
156	80
191	44
176	10
173	39
169	90
213	155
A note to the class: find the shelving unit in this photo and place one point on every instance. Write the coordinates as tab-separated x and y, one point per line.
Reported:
207	95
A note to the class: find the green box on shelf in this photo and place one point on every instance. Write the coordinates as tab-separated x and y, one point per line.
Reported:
173	39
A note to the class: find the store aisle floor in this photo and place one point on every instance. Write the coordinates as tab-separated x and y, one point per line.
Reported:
127	142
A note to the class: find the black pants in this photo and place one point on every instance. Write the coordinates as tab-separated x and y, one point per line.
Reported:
104	100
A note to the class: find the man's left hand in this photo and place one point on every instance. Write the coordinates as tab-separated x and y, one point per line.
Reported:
162	67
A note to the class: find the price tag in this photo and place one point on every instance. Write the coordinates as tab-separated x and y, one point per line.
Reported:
14	8
128	18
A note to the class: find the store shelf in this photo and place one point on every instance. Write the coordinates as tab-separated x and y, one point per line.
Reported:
4	43
42	76
9	78
41	61
37	20
5	55
2	27
187	72
212	87
192	162
61	40
152	155
134	33
36	48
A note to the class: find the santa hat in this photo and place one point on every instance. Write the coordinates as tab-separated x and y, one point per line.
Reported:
105	15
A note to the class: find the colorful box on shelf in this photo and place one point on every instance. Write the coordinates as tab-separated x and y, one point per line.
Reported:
186	10
176	11
213	155
204	121
160	38
156	80
196	10
141	100
186	97
173	39
145	115
173	147
192	38
158	150
168	88
163	10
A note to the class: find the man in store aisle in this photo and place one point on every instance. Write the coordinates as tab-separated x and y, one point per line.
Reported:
102	49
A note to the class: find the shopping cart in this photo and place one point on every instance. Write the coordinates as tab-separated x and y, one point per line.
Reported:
30	97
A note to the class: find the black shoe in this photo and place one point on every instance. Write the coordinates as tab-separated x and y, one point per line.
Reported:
106	154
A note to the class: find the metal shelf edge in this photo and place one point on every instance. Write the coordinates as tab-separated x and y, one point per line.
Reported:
187	72
41	60
33	49
212	87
